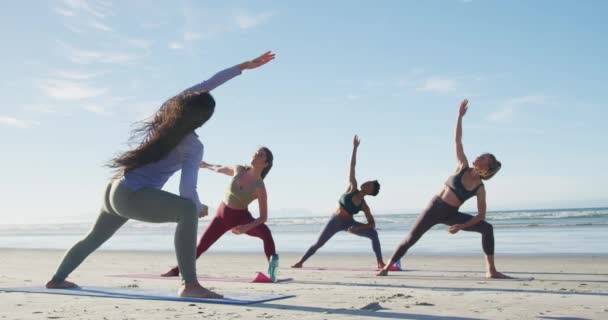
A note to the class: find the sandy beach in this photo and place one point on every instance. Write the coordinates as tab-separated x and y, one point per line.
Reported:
572	287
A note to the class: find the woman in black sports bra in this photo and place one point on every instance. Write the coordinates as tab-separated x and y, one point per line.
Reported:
351	203
443	208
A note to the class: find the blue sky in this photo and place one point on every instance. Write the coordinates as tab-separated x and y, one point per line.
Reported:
78	73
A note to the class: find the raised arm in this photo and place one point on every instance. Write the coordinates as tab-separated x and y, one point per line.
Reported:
460	156
352	180
260	193
481	212
229	171
223	76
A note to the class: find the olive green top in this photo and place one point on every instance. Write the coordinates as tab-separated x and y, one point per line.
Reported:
237	197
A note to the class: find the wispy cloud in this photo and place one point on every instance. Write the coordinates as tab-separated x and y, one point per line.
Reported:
94	56
139	43
100	26
507	109
64	12
82	56
76	75
191	31
438	85
99	9
246	21
352	96
79	15
97	109
42	109
14	122
69	90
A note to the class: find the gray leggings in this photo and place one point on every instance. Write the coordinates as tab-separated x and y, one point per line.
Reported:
440	212
337	224
150	205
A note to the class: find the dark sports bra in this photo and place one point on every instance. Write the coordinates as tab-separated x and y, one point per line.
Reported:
346	202
454	182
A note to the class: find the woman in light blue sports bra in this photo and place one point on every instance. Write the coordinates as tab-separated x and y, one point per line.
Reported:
351	203
169	145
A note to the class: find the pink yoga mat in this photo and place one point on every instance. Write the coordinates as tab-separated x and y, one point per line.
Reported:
200	277
343	269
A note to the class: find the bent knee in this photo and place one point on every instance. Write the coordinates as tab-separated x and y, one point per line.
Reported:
487	227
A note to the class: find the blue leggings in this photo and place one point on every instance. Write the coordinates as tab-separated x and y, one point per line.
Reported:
337	224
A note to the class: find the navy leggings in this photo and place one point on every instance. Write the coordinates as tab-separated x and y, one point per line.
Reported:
440	212
337	224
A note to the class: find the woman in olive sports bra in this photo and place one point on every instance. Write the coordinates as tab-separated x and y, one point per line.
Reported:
443	208
246	185
350	204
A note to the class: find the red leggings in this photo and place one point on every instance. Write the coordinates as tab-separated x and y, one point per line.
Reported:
227	218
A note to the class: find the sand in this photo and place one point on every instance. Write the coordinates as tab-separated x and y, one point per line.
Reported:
564	287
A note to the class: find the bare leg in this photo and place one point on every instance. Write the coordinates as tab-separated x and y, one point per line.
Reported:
384	271
491	271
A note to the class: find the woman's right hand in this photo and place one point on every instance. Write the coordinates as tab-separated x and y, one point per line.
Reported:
204	211
204	165
356	142
258	62
463	108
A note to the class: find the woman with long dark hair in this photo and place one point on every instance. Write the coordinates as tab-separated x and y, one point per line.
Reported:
465	183
169	144
351	203
246	185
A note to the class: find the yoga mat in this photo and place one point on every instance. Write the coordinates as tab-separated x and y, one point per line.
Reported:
238	298
200	277
343	269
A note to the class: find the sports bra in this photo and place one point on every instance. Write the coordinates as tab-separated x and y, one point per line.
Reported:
454	182
237	197
346	202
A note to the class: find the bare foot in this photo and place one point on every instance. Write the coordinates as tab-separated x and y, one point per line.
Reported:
380	265
170	273
60	285
382	273
497	275
195	290
297	265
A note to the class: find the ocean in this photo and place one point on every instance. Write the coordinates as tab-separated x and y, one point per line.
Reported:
518	232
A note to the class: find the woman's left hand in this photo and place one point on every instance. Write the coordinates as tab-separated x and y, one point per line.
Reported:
240	229
352	229
455	228
463	107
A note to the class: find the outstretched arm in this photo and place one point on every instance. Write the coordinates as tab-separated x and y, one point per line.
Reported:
218	168
460	156
263	203
481	212
223	76
352	180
